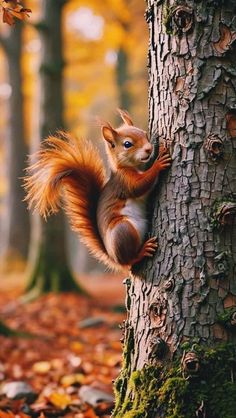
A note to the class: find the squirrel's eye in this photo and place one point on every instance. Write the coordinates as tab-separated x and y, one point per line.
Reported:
127	144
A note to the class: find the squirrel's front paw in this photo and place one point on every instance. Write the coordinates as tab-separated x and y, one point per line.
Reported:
164	158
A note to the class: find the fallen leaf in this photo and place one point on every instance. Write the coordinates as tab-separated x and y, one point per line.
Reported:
116	345
90	414
87	367
61	400
4	414
11	3
104	407
7	17
113	360
72	379
77	347
12	10
57	364
41	367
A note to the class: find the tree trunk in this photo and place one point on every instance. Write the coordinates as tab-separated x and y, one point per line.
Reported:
49	264
16	222
180	334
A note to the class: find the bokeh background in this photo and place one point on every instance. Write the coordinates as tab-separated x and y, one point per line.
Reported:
104	44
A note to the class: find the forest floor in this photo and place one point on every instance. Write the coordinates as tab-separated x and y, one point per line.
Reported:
69	353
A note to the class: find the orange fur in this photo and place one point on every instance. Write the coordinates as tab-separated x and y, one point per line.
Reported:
139	183
75	168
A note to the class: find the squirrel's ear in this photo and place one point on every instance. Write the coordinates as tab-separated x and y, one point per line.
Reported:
109	134
125	117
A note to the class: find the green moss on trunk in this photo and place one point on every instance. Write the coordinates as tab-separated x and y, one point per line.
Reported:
167	391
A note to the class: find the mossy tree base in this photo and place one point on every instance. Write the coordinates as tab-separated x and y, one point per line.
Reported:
49	276
55	282
167	391
49	268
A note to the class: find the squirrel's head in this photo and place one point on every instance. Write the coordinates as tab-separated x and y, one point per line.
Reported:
127	146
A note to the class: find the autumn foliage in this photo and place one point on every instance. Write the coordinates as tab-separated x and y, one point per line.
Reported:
68	351
12	9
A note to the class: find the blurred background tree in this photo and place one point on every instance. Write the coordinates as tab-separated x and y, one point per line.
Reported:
15	228
48	261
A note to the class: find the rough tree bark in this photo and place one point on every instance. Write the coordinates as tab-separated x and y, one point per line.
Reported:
49	264
179	337
16	223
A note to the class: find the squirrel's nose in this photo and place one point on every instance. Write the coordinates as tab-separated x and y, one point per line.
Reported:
148	148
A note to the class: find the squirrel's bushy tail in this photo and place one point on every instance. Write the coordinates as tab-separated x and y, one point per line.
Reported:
69	173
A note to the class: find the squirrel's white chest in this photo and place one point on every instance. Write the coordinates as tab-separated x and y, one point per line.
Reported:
135	211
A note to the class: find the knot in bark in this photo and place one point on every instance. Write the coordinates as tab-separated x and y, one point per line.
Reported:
214	146
221	266
158	310
179	19
190	363
226	213
169	285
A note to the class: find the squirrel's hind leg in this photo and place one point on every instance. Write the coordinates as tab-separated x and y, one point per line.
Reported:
123	243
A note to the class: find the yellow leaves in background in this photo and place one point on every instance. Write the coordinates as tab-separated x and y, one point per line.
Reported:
121	10
115	35
109	9
91	64
93	33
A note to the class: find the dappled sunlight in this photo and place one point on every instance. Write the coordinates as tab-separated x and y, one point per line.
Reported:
85	23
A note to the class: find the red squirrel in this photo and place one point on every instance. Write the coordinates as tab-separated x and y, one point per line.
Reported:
110	215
